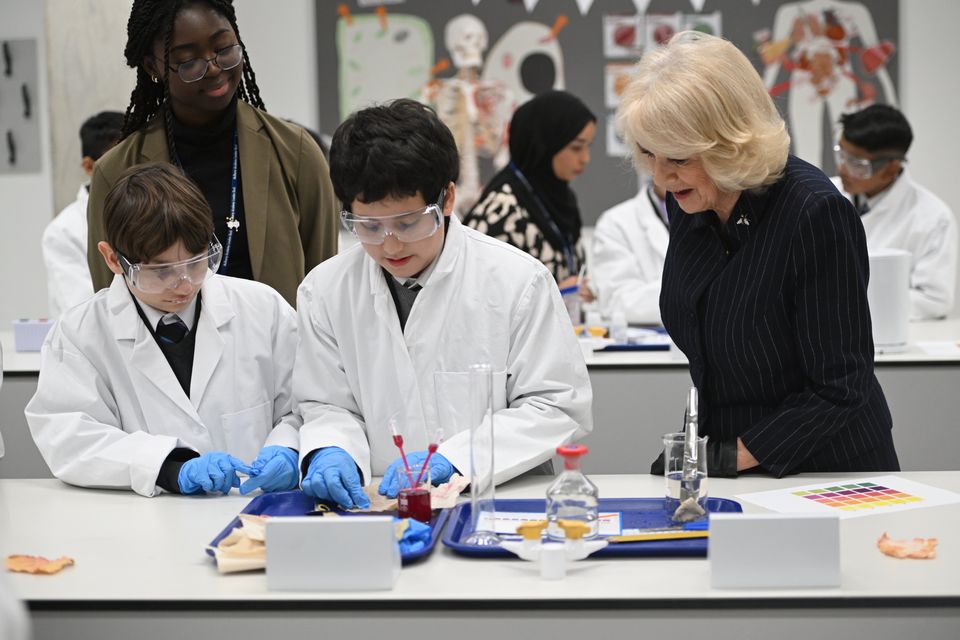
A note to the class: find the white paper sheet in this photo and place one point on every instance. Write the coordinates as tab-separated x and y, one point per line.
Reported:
853	498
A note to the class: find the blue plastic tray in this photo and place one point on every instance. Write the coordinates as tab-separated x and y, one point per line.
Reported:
636	513
297	503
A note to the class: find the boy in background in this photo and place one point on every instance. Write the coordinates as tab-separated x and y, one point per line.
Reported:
898	213
64	241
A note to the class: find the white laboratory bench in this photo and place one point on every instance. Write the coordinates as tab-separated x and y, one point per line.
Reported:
638	396
141	571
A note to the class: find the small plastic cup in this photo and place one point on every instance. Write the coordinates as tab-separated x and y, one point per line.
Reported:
414	501
571	300
676	488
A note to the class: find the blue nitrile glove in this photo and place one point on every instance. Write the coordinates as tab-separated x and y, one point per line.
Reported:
275	469
396	478
415	537
214	472
333	476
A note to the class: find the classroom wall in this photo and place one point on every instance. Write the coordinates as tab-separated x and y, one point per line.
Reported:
281	41
26	200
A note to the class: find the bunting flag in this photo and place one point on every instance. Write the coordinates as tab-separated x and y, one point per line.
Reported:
530	4
697	5
641	5
584	6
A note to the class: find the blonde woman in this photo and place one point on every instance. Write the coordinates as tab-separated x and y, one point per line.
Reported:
765	278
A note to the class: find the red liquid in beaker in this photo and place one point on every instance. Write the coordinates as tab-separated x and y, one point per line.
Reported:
414	503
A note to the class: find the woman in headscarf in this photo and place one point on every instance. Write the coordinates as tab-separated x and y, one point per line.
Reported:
529	204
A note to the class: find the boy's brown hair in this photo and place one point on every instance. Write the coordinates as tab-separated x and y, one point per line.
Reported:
150	208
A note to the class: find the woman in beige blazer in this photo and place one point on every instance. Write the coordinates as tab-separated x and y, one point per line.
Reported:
196	104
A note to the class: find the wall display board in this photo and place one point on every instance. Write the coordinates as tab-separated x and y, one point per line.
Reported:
475	61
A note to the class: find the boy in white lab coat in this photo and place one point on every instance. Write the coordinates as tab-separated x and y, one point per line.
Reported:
386	325
64	241
173	377
898	213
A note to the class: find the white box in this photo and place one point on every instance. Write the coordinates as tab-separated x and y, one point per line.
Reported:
332	554
750	550
28	335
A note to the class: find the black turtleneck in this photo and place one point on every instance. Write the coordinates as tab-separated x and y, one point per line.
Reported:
206	155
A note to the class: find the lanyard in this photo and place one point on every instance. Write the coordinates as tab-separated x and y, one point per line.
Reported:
659	206
233	222
569	255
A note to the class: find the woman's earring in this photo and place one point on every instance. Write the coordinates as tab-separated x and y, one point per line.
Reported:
154	78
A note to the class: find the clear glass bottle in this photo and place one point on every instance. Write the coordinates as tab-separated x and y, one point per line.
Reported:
572	496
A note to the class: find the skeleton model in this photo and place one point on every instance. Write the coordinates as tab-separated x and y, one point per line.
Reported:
476	111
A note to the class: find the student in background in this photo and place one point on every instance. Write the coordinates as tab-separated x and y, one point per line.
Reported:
530	204
385	326
196	104
64	241
629	245
898	213
172	378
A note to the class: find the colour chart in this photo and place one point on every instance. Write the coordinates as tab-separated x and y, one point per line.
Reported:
854	497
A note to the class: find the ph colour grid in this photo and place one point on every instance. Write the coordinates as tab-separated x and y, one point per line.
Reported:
858	496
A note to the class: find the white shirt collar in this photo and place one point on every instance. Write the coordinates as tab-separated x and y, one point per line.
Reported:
153	315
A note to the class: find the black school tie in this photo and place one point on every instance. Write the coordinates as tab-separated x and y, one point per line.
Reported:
171	329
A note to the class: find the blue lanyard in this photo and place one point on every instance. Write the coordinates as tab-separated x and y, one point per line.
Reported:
569	255
233	222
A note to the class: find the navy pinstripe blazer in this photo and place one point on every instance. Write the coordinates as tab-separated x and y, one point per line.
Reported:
771	310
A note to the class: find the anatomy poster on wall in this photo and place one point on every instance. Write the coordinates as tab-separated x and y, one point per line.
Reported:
475	61
827	59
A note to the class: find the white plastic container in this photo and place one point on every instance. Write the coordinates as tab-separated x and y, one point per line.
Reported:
888	294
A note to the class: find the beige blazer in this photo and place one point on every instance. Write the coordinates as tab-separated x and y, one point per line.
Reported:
289	206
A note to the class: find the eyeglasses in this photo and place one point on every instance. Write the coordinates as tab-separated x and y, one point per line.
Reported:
157	278
195	69
857	167
410	226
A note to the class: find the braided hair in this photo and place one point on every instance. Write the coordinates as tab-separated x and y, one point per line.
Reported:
152	19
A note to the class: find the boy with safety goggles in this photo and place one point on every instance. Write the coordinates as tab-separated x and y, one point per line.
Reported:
386	327
896	211
173	378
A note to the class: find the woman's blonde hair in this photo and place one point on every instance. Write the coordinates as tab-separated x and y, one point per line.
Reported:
699	95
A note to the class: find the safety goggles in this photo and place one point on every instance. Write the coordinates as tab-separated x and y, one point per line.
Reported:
164	276
410	226
857	167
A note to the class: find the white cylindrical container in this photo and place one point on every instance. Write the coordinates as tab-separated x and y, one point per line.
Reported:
889	296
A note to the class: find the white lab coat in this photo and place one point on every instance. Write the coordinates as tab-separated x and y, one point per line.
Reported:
908	216
485	302
109	409
64	245
629	245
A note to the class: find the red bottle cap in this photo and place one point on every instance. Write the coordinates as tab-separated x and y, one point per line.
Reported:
572	450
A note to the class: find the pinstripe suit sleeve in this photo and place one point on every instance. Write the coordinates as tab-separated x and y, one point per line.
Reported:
833	339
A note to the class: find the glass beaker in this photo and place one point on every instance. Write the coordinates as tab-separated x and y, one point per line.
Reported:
482	508
572	496
679	488
413	500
